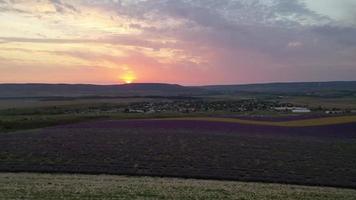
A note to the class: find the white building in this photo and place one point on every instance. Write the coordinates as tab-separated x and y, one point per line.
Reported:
293	109
334	112
301	110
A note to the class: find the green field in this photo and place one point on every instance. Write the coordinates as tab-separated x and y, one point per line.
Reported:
23	114
32	103
103	187
315	102
32	113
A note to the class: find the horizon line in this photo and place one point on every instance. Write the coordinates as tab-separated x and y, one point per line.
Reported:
165	83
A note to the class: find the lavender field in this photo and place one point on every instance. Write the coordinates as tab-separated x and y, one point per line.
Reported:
190	149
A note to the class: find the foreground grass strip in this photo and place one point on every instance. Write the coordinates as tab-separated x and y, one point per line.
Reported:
103	187
294	123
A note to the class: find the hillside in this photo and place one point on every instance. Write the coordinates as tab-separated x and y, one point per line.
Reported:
322	89
302	88
76	90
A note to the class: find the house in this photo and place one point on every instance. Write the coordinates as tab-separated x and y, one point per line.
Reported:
301	110
329	112
134	111
283	108
151	112
293	109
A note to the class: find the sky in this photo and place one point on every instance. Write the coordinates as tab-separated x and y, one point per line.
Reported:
189	42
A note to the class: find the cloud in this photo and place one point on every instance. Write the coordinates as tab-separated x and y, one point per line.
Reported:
344	35
113	40
342	11
295	44
236	40
63	7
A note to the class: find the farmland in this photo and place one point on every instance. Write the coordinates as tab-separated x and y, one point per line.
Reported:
22	114
178	99
103	187
319	155
241	140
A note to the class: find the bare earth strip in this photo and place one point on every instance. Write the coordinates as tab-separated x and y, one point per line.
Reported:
104	187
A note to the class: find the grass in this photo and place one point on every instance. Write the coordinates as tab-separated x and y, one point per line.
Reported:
22	114
104	187
10	123
51	114
23	122
315	102
38	103
293	123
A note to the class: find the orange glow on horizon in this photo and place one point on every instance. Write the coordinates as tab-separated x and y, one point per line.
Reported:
128	77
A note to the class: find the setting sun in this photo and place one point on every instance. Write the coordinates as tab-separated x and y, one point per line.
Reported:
146	93
128	77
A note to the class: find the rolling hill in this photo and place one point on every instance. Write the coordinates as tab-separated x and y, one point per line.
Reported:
77	90
321	89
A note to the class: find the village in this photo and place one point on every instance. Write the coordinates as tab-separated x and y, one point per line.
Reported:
210	106
248	105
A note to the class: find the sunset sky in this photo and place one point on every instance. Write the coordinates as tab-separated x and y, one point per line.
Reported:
189	42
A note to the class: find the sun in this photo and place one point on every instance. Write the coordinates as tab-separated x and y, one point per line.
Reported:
128	77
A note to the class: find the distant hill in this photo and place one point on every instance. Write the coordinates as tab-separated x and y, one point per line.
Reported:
323	89
302	88
76	90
